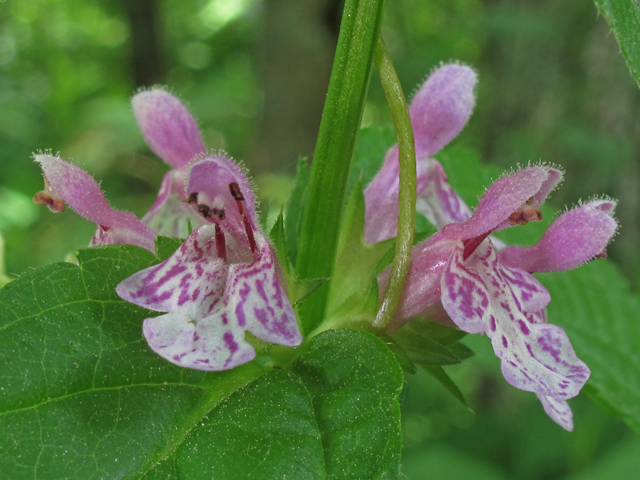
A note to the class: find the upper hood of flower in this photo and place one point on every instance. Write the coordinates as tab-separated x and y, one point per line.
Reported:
168	127
77	188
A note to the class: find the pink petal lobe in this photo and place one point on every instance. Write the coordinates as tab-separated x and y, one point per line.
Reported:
168	127
169	215
534	357
558	410
77	188
259	302
192	279
206	344
576	237
442	107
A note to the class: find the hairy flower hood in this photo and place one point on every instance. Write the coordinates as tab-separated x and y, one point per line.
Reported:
66	183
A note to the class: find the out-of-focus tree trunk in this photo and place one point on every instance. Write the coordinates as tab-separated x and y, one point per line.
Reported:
146	57
296	58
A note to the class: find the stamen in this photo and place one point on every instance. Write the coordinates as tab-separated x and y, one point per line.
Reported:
237	195
472	244
204	211
221	246
526	213
49	198
192	198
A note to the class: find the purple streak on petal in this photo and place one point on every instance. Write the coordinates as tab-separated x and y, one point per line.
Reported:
464	295
438	202
83	194
573	239
171	285
256	294
529	292
538	358
442	107
169	215
558	410
168	127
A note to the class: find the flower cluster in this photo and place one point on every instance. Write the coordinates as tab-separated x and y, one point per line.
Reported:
225	279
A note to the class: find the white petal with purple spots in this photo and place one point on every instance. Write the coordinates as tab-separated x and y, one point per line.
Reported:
558	410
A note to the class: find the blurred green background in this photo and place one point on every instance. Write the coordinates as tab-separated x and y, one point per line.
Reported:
553	87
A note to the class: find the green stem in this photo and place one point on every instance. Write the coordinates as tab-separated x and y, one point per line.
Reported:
407	196
339	127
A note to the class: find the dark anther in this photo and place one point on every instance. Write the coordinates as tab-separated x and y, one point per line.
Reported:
235	192
204	210
192	198
218	212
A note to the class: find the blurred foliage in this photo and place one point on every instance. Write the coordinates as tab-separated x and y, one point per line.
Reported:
553	86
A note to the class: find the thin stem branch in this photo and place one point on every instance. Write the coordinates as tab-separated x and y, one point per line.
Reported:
407	195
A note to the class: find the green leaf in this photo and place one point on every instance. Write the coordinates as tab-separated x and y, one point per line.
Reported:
81	393
278	240
333	415
428	343
437	372
267	430
295	208
594	306
354	381
624	19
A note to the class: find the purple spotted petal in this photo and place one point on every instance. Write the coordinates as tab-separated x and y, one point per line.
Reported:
438	202
558	410
442	107
258	301
77	188
170	215
534	357
465	297
211	303
192	279
529	292
573	239
202	344
168	127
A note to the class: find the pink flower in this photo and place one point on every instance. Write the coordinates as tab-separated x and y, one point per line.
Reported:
494	293
65	182
438	112
224	280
